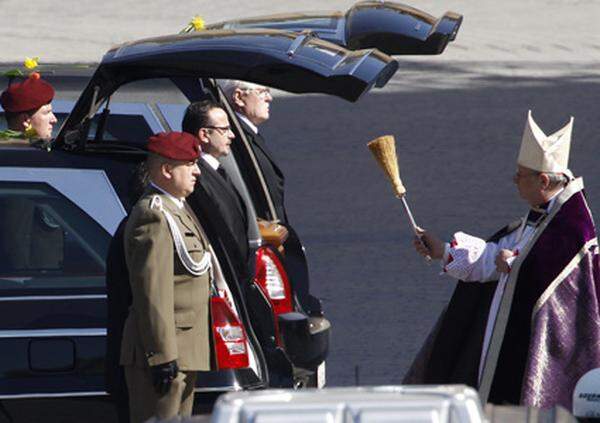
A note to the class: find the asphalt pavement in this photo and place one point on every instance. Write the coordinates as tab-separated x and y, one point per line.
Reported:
457	148
457	119
510	30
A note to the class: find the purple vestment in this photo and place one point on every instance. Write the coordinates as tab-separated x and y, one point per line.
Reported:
552	332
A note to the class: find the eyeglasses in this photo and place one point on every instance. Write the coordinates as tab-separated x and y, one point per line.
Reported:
260	92
222	129
518	175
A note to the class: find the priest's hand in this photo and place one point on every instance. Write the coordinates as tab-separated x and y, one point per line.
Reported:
502	264
428	245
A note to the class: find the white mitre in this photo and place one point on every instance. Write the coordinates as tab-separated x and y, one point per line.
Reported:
545	153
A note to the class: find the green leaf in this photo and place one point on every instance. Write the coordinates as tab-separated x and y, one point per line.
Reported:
9	133
12	73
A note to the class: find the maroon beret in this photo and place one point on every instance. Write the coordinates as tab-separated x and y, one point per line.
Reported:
30	94
175	145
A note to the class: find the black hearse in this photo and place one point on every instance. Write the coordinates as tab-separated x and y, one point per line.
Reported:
54	296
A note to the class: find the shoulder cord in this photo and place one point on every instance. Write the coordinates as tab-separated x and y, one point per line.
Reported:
196	268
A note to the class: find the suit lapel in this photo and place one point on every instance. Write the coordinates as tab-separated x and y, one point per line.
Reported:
258	141
224	187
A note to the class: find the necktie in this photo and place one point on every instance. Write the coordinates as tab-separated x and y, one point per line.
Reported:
226	178
224	175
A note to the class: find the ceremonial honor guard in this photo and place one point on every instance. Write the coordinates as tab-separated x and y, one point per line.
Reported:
166	334
523	325
27	109
39	242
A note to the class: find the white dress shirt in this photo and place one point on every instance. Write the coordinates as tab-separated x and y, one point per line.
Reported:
244	119
210	160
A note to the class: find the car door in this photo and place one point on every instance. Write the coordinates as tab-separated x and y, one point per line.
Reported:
54	236
391	27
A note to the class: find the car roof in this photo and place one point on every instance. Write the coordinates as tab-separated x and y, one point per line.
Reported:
391	27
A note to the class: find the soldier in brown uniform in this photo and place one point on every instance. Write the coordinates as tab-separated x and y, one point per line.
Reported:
27	109
39	242
166	335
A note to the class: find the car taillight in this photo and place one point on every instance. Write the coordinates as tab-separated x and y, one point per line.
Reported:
274	283
229	335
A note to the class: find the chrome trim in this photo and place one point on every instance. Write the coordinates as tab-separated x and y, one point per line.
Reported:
50	333
54	297
255	243
54	395
297	43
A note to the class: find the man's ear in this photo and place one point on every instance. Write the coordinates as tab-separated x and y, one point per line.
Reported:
24	121
165	170
238	98
545	181
203	136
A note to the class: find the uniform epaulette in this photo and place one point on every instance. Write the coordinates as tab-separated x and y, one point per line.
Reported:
156	203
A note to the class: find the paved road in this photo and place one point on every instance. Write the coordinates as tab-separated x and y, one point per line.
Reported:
457	148
82	30
458	119
458	128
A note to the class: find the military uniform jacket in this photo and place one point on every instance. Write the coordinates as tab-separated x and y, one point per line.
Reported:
169	316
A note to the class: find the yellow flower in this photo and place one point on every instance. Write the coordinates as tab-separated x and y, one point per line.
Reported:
31	62
198	23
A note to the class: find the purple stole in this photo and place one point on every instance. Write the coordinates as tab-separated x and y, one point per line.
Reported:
551	334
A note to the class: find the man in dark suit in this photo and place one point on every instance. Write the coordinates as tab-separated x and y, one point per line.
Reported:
215	197
217	201
251	103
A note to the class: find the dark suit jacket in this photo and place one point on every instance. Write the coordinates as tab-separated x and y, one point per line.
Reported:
272	173
118	301
219	203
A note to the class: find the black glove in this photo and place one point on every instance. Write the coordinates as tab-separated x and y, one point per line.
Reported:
163	375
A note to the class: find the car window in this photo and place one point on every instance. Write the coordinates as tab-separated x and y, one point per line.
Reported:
134	112
46	241
127	122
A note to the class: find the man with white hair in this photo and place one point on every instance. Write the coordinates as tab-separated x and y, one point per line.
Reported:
523	324
251	103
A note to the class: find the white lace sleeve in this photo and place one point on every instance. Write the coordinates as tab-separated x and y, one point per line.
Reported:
471	258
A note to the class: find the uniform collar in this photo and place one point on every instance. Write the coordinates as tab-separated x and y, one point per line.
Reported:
210	160
179	202
250	125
